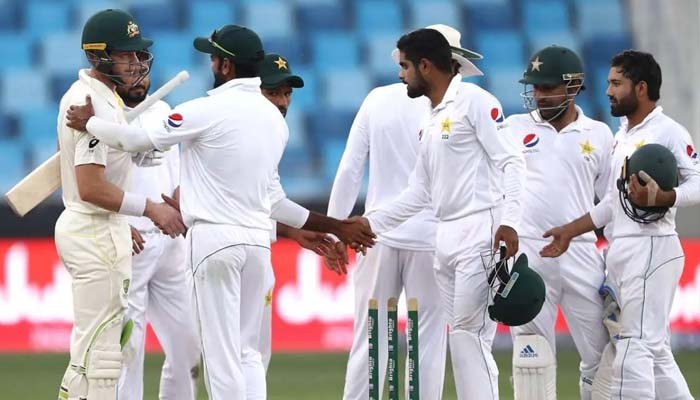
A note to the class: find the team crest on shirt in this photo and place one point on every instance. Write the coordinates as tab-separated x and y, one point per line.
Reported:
497	115
587	149
175	120
691	152
446	128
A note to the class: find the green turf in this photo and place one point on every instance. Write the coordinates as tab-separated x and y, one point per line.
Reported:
291	376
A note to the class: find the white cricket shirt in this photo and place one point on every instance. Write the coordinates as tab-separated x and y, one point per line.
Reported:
464	157
655	128
387	129
230	145
566	170
154	181
80	148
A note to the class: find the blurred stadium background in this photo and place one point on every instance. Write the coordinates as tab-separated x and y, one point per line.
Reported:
342	49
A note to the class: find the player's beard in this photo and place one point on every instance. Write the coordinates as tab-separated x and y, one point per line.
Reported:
417	89
219	78
623	106
135	94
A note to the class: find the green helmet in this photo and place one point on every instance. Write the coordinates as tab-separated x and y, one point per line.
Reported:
661	165
519	294
116	30
113	30
552	66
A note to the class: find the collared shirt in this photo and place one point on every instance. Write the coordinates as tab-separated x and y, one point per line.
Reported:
566	170
230	145
81	148
655	128
387	130
464	157
153	181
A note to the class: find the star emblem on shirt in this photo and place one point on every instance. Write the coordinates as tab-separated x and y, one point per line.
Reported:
446	125
446	128
639	144
536	64
281	64
586	148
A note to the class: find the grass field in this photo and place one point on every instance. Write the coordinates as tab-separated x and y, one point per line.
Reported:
291	376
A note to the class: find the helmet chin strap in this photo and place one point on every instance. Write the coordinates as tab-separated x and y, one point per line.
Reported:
561	107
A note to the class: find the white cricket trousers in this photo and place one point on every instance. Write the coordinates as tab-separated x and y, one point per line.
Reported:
461	277
645	271
572	280
382	274
161	291
96	251
228	285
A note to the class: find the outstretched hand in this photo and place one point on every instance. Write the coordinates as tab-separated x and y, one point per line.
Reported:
560	243
337	259
356	232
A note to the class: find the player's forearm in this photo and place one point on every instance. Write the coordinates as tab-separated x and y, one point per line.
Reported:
287	231
123	137
289	213
344	193
513	183
580	226
321	223
688	193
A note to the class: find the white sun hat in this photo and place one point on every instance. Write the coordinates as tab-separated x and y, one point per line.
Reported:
459	54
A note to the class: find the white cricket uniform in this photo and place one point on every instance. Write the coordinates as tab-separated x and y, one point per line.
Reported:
473	176
231	143
387	131
93	243
644	264
566	170
161	285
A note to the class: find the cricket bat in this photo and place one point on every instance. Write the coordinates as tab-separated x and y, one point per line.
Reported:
46	178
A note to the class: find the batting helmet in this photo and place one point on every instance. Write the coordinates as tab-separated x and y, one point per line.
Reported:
661	165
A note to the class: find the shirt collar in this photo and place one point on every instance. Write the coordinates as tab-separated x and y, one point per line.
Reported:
244	84
624	123
450	93
101	89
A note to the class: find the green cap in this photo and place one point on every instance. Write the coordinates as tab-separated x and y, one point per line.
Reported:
553	65
521	299
275	70
113	30
238	43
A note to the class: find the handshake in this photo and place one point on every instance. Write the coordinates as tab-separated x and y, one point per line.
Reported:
354	232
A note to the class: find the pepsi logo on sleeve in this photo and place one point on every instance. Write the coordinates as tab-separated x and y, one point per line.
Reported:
175	120
691	152
497	115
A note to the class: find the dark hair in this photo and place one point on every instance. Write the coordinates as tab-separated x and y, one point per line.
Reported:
428	44
640	66
248	69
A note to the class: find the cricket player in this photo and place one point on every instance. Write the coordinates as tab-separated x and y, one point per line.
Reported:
568	164
387	130
473	177
277	85
161	284
92	233
645	258
231	144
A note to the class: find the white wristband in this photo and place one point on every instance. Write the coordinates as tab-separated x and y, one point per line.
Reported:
133	204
